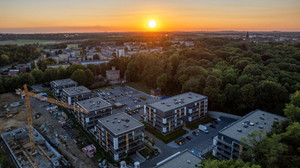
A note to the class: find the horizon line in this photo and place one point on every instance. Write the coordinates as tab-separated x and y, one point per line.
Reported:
165	31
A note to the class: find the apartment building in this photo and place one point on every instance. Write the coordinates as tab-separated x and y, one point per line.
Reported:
97	108
229	144
120	135
174	112
58	85
75	94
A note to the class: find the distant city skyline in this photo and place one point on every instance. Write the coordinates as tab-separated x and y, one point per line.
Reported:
63	16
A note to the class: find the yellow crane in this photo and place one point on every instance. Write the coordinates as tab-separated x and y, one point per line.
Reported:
27	95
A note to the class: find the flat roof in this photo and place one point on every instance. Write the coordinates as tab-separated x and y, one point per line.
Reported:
185	159
120	123
67	81
93	104
177	101
253	121
76	90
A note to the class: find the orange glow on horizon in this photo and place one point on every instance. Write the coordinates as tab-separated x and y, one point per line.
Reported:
123	16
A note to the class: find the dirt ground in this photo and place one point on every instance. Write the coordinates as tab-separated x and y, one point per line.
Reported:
19	114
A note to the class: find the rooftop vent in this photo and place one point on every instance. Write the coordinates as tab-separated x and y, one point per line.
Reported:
239	130
119	121
107	120
115	118
275	118
261	127
190	97
127	120
118	129
251	124
262	118
168	105
162	102
127	125
188	161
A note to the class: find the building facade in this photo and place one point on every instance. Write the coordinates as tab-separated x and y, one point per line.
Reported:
169	114
113	75
75	94
229	144
120	135
58	85
97	108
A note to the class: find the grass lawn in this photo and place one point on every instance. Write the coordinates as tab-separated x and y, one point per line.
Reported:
139	86
166	138
203	121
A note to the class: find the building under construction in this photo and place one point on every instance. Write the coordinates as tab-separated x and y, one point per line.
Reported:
17	145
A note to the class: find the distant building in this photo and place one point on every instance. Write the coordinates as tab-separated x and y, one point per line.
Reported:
169	114
120	135
54	66
94	62
228	141
120	52
72	95
72	46
58	85
185	159
63	57
13	72
97	108
113	75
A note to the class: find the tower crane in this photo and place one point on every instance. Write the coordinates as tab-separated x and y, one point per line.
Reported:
27	95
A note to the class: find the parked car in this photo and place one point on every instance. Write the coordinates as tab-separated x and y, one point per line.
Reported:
188	138
203	128
195	133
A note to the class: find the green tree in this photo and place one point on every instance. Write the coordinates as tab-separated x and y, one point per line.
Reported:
162	81
4	59
37	75
79	76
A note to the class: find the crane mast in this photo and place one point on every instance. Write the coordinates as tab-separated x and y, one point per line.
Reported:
27	95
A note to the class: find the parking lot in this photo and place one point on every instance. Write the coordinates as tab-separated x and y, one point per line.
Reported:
200	141
130	100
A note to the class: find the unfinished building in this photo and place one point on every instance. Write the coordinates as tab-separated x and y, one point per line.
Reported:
97	108
75	94
169	114
120	135
58	85
17	144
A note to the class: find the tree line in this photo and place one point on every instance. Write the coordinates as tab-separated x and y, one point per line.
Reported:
237	77
14	54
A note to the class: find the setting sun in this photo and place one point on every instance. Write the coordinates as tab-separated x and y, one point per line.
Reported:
152	23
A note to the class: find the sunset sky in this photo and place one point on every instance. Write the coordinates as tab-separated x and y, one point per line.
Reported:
41	16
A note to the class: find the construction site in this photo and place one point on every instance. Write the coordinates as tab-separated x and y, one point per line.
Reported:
51	141
18	145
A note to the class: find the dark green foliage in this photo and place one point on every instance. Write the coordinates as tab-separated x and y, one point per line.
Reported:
10	54
280	148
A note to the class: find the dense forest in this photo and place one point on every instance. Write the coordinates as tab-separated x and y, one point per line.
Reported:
14	54
236	76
